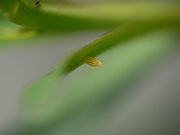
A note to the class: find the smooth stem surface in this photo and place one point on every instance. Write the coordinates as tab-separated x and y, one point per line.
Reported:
87	17
108	41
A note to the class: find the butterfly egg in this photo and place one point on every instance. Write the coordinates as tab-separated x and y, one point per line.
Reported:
37	3
92	61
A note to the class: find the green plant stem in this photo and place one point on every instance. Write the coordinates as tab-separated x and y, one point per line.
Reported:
87	17
106	42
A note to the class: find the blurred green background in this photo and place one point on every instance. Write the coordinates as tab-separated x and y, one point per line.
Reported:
134	92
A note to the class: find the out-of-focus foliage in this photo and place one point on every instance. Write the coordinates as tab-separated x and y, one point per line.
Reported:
68	93
55	105
73	88
10	31
73	17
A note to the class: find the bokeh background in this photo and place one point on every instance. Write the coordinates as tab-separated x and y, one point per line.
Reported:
149	105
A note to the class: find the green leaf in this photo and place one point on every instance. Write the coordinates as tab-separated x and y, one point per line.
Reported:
11	31
56	96
108	41
23	12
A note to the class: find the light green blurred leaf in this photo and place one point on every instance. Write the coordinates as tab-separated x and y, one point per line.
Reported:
44	103
64	17
10	31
